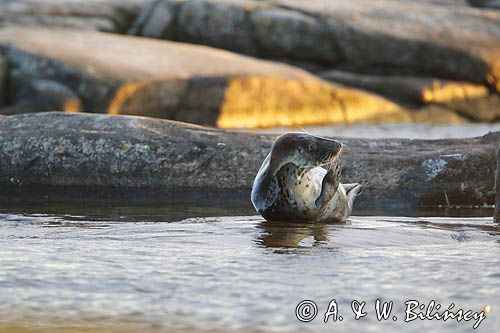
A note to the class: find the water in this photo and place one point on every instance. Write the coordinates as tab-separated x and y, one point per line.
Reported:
157	270
409	131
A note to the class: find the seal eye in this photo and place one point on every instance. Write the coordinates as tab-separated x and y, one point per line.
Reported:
312	146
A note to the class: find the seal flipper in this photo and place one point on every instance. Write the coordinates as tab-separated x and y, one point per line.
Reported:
329	186
352	191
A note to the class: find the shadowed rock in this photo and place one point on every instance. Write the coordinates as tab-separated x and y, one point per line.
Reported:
42	95
58	156
140	76
3	79
495	4
497	201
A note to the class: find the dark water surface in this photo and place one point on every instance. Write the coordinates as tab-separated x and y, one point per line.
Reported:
153	269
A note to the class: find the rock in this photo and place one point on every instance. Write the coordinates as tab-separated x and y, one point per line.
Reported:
497	201
102	15
495	4
223	24
3	79
470	100
279	33
68	157
405	88
443	2
249	27
481	108
473	101
457	42
44	95
155	20
436	114
454	42
184	82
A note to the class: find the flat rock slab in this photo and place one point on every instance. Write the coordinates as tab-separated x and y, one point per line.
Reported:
497	201
472	100
102	15
148	77
458	42
67	157
3	79
413	37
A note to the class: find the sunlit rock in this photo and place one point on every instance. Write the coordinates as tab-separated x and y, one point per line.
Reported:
147	77
473	101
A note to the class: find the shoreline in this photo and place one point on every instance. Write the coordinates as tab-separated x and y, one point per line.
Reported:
65	157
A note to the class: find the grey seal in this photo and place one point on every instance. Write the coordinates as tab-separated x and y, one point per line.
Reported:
300	180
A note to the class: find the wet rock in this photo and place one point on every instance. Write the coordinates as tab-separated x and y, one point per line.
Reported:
43	95
108	15
184	82
473	101
58	156
497	204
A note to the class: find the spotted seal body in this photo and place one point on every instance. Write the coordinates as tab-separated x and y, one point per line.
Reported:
299	180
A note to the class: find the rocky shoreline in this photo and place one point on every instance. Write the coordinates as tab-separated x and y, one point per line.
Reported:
297	63
237	64
126	159
497	200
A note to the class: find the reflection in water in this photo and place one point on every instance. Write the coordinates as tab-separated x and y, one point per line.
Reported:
131	272
292	234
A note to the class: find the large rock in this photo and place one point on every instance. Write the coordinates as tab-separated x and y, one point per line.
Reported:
443	2
155	20
140	76
495	4
497	200
249	27
457	42
3	79
103	15
473	101
280	34
454	42
43	95
58	156
225	23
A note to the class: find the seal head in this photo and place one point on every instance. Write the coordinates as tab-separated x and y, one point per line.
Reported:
299	180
